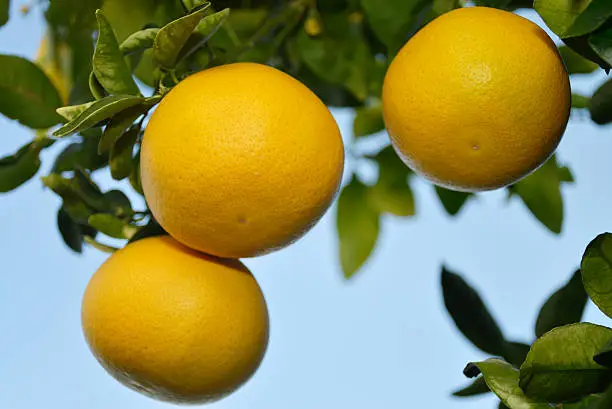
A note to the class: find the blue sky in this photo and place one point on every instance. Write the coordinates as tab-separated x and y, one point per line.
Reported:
382	340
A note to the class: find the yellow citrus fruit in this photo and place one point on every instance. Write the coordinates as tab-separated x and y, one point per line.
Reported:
476	100
240	160
175	324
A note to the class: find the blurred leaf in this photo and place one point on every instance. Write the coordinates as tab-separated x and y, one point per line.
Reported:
26	94
72	232
478	387
112	226
172	37
117	126
590	402
604	356
358	227
121	154
77	200
560	366
151	229
100	246
80	155
109	66
452	200
393	21
601	104
192	4
575	63
503	379
516	352
117	203
601	43
580	101
470	314
139	41
97	112
596	270
498	4
440	7
20	167
5	6
135	181
573	18
205	29
541	193
565	306
368	120
392	193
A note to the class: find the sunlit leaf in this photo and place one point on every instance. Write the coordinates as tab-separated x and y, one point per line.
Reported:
573	18
575	63
112	226
596	270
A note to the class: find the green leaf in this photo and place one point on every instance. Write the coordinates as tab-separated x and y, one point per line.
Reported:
96	89
596	270
71	112
121	154
97	112
392	193
368	120
590	402
601	104
580	101
135	181
573	18
72	232
112	226
601	43
478	387
203	32
78	200
172	37
604	356
358	227
575	63
117	203
470	314
192	4
20	167
117	127
564	307
452	200
393	21
5	6
541	193
26	94
100	246
516	352
499	4
139	41
560	366
503	379
80	155
151	229
109	66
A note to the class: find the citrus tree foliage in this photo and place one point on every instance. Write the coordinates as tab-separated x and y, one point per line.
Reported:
103	66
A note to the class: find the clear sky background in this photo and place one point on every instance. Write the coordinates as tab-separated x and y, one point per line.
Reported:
382	340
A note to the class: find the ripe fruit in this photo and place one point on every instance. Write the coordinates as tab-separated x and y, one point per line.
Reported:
477	99
175	324
240	160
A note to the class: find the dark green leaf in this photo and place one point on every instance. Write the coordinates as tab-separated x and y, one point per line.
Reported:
20	167
172	37
605	400
117	203
452	200
541	193
516	352
393	21
573	18
70	231
601	104
26	94
575	63
109	66
604	356
503	379
121	154
80	155
78	201
135	181
117	126
358	227
392	193
499	4
96	89
111	226
589	402
192	4
580	101
5	6
560	366
601	43
368	120
478	387
596	270
202	33
151	229
139	41
565	306
99	111
470	314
